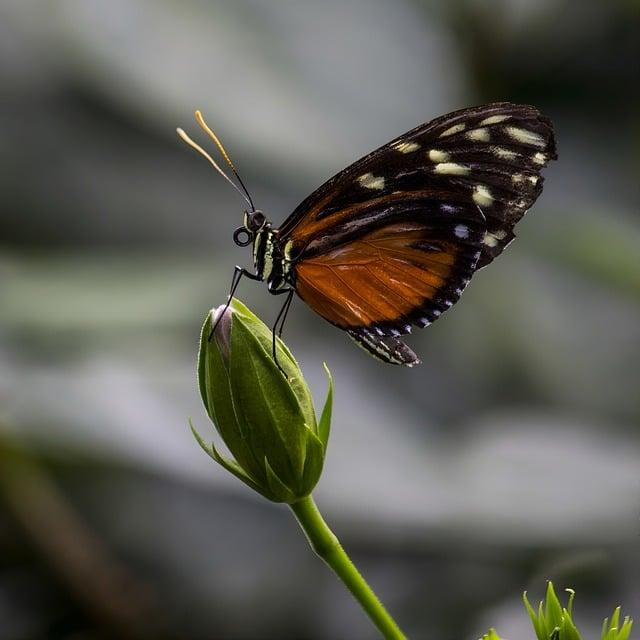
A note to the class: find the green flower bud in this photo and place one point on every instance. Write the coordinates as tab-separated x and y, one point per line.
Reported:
265	418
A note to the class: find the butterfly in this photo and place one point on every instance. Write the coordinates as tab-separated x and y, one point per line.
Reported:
392	241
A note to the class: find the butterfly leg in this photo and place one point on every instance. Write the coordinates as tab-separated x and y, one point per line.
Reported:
238	273
280	320
285	311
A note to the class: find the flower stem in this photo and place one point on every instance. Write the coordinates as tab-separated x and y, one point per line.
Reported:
326	545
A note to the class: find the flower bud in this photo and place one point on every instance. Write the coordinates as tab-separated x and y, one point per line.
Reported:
265	418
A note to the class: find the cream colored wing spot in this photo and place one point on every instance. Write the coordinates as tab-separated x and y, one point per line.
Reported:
457	128
435	155
479	135
406	147
369	181
505	154
451	169
525	136
494	120
482	196
517	178
539	158
490	240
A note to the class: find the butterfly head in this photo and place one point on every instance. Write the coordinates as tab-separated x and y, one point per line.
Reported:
254	222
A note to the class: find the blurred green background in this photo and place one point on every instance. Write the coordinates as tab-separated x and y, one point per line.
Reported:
510	456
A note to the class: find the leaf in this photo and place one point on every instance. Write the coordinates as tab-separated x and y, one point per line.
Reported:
553	612
537	620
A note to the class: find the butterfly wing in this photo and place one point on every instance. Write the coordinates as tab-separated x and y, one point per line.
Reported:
380	282
460	183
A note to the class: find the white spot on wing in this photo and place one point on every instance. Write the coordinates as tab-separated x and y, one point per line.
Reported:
490	240
494	120
461	231
505	154
478	135
457	128
451	168
406	147
369	181
521	177
525	136
482	196
539	158
435	155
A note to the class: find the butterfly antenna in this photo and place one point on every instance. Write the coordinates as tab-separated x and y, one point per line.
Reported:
207	129
201	151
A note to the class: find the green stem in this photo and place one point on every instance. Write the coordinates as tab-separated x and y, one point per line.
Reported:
324	542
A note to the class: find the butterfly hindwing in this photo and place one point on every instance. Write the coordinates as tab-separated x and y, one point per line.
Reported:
403	273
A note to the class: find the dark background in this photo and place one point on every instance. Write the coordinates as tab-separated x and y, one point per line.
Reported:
509	457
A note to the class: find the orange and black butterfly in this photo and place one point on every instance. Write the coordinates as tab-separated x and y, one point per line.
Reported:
391	241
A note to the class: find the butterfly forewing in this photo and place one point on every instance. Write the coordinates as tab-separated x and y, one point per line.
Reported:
393	239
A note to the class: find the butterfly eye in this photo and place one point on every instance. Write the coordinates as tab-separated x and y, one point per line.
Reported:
242	237
255	220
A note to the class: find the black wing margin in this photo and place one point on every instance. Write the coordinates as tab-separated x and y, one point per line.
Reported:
490	155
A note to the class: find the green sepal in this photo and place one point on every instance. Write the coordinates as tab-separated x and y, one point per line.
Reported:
615	619
293	378
537	620
492	635
264	402
324	426
280	492
569	629
230	465
553	613
611	629
313	463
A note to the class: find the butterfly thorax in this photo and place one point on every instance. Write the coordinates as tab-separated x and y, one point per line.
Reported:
272	259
